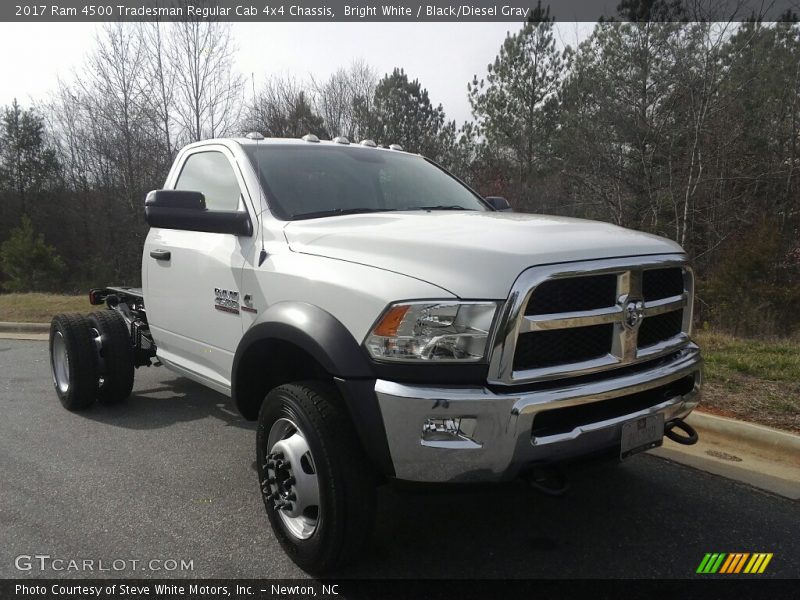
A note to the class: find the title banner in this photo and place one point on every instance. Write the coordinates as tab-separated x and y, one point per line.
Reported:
397	11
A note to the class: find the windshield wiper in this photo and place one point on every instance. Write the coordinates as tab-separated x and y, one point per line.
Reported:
339	211
438	207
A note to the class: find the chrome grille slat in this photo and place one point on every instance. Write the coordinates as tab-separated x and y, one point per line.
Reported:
581	318
653	308
624	347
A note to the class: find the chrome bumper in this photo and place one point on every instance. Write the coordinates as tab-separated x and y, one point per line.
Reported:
500	441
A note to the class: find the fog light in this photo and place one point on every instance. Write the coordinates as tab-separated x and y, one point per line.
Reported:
450	432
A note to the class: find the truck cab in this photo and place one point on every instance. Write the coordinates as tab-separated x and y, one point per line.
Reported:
382	321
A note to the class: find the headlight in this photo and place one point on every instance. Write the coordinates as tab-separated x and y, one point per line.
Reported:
432	331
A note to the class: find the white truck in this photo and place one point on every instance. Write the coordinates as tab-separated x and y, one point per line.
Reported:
382	321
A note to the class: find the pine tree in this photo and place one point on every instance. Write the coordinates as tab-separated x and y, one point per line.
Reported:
29	265
515	104
27	163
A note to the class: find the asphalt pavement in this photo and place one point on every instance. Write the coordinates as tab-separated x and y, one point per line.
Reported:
169	476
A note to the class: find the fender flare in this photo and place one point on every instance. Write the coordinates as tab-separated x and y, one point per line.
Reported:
312	329
330	343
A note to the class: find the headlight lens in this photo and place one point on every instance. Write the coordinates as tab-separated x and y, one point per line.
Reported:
432	331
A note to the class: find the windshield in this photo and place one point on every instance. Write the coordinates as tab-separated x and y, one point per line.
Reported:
308	181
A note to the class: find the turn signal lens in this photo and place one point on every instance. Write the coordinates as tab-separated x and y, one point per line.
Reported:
389	324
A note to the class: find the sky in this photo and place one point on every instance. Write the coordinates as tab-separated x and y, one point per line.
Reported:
443	56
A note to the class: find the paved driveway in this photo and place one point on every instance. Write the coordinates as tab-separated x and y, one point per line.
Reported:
169	475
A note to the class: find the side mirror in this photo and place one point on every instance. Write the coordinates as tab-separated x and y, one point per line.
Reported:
183	209
498	203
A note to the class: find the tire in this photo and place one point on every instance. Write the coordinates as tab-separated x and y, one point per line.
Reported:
116	354
306	422
73	361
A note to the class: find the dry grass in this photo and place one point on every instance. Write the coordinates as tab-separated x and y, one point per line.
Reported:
40	308
752	380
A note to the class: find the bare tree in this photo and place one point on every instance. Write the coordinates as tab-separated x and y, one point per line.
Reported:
344	99
160	77
112	86
208	91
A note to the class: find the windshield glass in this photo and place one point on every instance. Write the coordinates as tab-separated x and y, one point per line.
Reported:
308	181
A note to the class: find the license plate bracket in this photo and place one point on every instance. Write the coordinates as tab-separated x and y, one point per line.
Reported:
641	434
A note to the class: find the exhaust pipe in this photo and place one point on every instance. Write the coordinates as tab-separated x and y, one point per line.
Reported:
689	439
549	480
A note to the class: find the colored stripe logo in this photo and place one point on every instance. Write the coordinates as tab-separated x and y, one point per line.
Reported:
734	563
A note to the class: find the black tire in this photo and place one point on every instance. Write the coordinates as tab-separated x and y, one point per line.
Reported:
73	361
346	485
116	354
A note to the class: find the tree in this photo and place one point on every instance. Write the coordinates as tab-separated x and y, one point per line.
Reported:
27	163
402	113
160	74
282	109
208	90
619	103
344	100
516	104
28	263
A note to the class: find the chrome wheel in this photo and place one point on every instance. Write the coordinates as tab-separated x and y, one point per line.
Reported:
59	363
291	482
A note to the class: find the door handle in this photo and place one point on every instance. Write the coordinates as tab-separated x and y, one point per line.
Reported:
161	254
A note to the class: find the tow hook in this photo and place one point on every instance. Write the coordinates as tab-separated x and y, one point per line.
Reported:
689	439
549	480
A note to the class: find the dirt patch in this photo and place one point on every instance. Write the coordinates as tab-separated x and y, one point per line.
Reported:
771	403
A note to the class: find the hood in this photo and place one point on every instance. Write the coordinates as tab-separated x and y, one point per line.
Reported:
470	254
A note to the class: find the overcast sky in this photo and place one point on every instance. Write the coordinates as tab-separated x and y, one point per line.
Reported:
443	56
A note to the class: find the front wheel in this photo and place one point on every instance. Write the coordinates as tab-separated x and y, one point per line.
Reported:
316	483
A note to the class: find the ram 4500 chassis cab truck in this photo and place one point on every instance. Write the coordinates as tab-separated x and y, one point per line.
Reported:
382	321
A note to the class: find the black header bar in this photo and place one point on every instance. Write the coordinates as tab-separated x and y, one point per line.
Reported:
391	11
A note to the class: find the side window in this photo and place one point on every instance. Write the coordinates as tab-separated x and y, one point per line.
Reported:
211	174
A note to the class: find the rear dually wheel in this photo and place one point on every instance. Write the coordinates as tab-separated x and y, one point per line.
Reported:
73	361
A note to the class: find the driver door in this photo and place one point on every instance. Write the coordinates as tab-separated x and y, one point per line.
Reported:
194	277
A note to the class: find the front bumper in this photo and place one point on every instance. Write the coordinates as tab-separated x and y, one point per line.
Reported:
582	418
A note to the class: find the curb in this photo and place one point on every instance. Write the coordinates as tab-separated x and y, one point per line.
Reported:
760	435
11	327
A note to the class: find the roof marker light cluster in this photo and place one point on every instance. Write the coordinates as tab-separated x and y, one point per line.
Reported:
339	139
254	135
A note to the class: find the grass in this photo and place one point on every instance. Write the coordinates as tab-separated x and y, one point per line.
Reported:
40	308
777	360
752	380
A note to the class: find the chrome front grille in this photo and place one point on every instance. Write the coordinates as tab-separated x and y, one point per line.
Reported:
579	318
